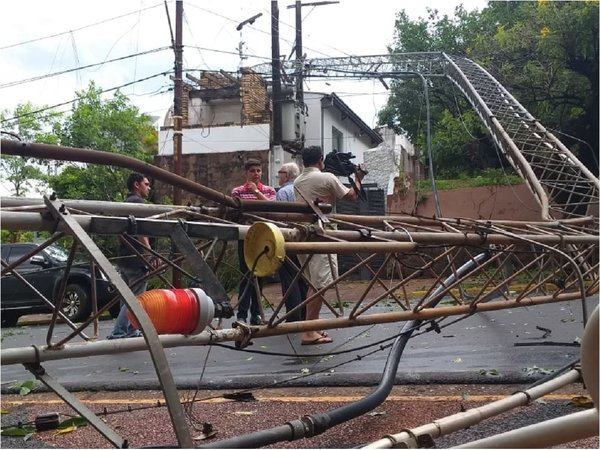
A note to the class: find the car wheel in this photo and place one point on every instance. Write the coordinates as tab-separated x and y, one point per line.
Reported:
9	319
76	303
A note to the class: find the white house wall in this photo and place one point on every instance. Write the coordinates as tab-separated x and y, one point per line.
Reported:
383	164
353	142
217	139
214	113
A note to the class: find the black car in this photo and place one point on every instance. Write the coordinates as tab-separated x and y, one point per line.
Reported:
45	271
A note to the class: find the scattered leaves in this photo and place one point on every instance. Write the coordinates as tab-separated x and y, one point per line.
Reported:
376	413
243	413
535	369
250	358
305	371
458	359
73	422
4	411
25	432
582	401
26	387
123	369
492	372
66	430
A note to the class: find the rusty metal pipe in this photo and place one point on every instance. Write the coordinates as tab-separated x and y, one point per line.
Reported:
46	151
37	222
32	354
344	248
465	238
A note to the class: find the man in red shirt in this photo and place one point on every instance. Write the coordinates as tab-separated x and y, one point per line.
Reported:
252	189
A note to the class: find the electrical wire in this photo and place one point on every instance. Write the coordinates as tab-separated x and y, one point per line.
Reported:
62	72
77	29
77	99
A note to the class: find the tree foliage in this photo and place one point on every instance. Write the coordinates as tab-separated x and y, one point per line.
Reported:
23	173
546	55
112	125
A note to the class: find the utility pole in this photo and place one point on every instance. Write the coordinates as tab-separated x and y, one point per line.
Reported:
299	81
177	101
276	67
178	116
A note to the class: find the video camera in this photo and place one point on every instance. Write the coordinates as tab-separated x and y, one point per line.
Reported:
339	164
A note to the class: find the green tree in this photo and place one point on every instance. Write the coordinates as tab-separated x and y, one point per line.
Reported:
30	126
456	132
112	125
24	173
544	53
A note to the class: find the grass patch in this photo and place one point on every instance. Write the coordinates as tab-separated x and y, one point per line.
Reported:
489	177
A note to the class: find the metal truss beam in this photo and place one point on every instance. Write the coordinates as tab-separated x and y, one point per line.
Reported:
561	184
161	364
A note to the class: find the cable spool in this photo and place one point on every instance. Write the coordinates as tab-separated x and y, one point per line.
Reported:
265	242
176	311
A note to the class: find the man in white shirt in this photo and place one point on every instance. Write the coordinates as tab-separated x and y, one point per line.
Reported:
325	187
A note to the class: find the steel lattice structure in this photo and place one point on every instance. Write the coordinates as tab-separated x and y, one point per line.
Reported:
469	265
562	185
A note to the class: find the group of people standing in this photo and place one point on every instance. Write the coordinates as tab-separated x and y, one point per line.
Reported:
320	271
314	185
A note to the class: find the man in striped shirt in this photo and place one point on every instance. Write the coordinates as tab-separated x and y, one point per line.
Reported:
252	189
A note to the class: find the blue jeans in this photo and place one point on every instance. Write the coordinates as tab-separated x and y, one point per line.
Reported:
123	328
247	297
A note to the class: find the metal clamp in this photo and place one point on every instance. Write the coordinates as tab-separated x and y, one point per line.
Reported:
247	335
132	225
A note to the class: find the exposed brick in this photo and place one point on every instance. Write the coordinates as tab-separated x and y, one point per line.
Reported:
218	171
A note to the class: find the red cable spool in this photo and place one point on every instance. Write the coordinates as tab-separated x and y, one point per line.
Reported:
176	311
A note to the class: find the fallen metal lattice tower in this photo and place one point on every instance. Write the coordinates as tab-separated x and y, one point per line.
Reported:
561	184
470	265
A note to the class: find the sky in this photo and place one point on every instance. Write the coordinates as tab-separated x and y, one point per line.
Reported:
40	38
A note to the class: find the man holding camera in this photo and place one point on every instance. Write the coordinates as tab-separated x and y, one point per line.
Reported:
315	185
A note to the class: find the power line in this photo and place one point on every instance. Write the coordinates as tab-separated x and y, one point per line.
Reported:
41	77
78	29
77	99
225	52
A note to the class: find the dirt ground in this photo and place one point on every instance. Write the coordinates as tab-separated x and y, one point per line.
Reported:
137	416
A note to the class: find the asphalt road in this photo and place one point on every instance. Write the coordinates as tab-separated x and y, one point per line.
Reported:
509	346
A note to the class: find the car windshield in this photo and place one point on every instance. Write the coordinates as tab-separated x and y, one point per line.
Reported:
57	253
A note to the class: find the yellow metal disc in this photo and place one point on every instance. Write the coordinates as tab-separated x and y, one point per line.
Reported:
265	242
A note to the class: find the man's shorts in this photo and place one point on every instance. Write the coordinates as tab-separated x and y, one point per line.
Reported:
319	270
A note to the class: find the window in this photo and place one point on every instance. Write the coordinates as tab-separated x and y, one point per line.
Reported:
337	140
17	252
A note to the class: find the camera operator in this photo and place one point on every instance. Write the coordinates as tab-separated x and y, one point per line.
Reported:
314	184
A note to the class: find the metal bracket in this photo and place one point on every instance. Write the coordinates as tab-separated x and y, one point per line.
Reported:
132	226
208	280
246	339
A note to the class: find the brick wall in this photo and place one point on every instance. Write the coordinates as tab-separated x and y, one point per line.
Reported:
220	171
255	100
